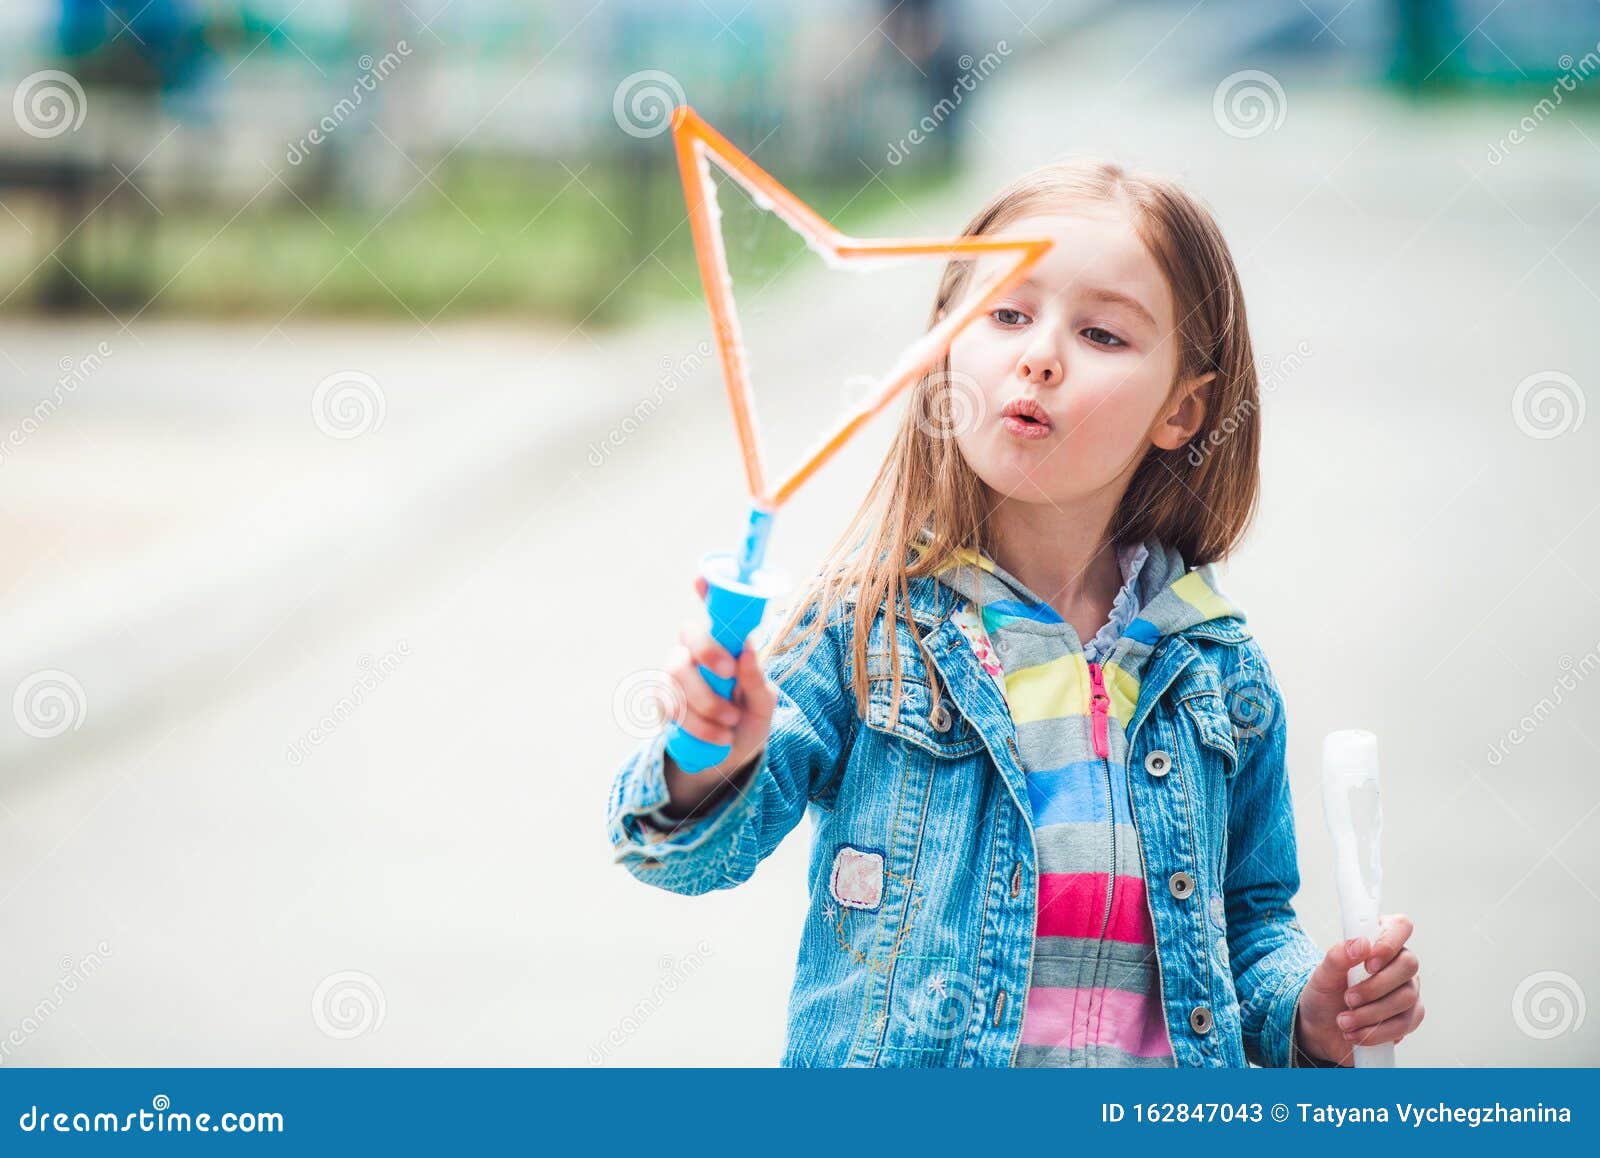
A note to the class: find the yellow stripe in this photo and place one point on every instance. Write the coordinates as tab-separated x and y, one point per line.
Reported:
968	555
1197	593
1123	688
1048	691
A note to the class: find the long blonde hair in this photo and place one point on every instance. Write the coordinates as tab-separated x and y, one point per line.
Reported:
1198	498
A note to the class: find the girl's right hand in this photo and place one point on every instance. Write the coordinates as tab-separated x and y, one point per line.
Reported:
742	724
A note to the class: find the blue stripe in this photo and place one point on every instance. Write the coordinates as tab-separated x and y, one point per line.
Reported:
1015	609
1143	631
1077	793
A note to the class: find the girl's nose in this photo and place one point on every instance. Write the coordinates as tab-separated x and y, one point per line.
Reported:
1040	366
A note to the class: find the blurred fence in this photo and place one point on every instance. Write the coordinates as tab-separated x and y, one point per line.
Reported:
412	158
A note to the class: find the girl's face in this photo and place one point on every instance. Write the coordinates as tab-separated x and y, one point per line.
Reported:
1075	366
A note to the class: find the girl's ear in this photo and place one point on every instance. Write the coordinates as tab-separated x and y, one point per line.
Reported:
1183	418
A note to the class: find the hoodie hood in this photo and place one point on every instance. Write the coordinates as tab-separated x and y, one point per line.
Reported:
1172	598
1029	632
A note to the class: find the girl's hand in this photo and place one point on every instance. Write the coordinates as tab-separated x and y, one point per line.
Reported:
1335	1017
742	724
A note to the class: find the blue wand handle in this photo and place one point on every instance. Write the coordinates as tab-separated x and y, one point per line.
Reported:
737	591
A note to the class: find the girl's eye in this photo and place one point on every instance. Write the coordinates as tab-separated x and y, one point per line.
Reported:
1007	316
1096	335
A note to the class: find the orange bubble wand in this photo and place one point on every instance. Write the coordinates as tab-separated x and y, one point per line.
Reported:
737	589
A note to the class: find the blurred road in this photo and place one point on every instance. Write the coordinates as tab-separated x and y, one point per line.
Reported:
435	868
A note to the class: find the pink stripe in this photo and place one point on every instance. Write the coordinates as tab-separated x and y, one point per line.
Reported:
1131	1022
1074	905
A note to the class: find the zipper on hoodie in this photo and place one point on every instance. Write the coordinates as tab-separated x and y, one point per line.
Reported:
1161	977
1098	703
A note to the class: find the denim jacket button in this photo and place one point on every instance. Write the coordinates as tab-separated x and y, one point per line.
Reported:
1181	884
939	718
1200	1019
1157	763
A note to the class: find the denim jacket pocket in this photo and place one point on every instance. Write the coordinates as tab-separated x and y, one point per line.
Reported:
939	729
1201	697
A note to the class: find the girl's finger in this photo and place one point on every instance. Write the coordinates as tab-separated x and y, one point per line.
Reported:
1387	980
700	696
703	649
1384	1008
1396	932
1392	1029
708	730
756	692
700	587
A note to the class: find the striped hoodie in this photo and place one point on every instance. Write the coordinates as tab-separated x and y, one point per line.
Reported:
1094	998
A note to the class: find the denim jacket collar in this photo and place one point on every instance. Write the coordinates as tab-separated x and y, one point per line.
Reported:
931	606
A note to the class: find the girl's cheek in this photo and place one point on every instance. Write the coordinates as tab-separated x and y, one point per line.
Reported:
1091	414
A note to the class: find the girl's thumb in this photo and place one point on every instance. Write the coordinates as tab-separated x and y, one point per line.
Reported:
760	694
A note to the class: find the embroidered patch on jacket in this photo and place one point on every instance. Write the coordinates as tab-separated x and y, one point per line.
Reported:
857	878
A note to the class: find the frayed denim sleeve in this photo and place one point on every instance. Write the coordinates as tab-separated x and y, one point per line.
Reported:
813	725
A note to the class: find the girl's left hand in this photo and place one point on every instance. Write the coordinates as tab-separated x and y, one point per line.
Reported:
1335	1016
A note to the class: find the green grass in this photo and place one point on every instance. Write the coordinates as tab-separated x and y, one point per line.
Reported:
492	239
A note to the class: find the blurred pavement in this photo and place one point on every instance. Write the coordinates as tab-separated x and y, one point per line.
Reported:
1421	567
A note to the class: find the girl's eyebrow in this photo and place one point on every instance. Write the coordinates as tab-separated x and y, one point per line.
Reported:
1102	294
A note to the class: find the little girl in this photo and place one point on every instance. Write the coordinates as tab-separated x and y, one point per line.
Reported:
1043	756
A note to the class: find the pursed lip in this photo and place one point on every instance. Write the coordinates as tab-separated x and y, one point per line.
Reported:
1027	408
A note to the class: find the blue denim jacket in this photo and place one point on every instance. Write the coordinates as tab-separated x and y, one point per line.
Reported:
934	970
